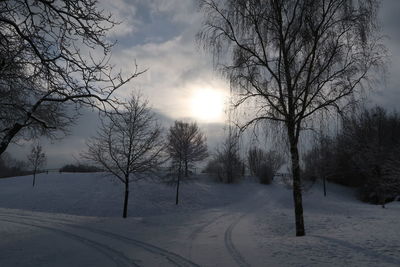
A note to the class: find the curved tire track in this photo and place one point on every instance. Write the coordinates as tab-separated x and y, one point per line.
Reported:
231	246
202	227
228	242
116	256
170	256
198	230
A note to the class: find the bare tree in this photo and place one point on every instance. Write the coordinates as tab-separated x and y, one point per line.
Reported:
230	166
364	154
263	164
128	144
319	161
186	146
255	157
53	53
292	59
37	158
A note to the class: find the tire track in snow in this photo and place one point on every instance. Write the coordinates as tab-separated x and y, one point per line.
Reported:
198	230
202	227
116	256
228	241
231	246
174	258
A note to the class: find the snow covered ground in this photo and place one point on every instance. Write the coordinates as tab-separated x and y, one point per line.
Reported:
74	220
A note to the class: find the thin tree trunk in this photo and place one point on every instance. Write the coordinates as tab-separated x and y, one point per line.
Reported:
324	180
177	191
34	178
125	214
186	169
177	185
229	173
382	196
297	197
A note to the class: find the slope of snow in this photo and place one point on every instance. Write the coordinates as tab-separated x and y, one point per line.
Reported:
74	220
101	195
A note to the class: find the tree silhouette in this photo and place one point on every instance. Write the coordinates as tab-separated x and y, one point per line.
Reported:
128	144
186	145
48	67
290	59
37	158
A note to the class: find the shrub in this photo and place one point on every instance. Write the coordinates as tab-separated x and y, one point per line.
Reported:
79	168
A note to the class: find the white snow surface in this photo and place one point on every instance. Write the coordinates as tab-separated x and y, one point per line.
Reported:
75	220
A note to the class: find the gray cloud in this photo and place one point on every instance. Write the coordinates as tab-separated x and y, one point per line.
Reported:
386	92
67	150
160	36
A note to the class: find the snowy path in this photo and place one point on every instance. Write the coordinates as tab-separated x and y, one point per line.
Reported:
225	235
214	225
113	246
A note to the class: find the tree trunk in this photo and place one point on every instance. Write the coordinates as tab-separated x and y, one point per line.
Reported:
229	173
125	214
177	186
324	181
34	178
298	202
186	169
9	136
382	198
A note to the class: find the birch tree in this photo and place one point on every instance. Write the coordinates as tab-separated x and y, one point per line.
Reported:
291	59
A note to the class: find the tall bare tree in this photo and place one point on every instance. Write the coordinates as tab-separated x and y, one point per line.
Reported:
186	145
229	165
264	165
128	144
292	59
53	53
37	158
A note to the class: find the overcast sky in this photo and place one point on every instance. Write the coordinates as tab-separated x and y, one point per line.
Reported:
160	36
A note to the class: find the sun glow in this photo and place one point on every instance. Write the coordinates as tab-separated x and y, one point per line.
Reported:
207	105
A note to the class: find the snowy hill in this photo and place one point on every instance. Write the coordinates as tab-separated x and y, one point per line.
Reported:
74	220
100	195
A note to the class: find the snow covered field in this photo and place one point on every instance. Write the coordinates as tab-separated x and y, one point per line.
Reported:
74	220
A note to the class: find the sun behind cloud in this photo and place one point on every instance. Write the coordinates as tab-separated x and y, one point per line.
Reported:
207	105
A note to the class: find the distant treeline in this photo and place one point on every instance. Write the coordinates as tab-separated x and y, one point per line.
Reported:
80	168
11	167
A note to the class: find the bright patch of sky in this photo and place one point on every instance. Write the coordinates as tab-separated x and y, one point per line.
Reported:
159	36
180	81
